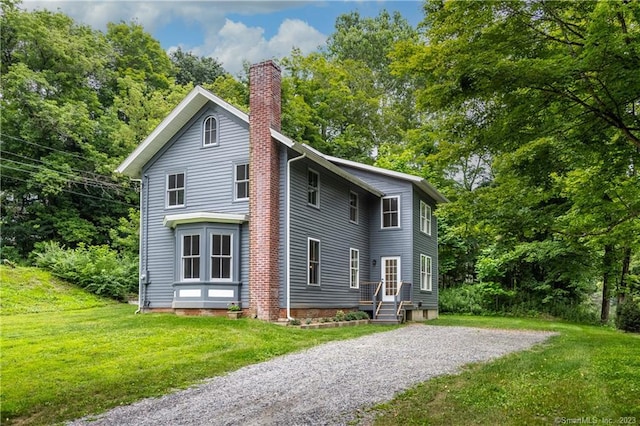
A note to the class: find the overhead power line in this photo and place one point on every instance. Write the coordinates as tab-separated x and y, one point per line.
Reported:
109	200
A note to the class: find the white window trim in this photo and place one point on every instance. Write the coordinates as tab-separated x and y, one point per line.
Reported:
382	212
426	274
167	190
317	205
236	181
357	207
211	256
309	239
182	257
204	126
425	219
353	251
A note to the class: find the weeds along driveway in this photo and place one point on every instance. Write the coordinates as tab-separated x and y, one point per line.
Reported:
327	384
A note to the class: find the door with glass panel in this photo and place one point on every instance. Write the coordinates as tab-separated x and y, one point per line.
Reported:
390	277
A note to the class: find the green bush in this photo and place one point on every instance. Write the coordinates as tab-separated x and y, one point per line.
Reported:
466	299
355	315
97	269
628	316
490	299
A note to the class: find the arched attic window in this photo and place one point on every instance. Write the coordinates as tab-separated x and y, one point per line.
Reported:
210	131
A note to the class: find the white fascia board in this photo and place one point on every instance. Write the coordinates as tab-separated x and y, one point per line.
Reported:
320	159
181	114
418	181
173	220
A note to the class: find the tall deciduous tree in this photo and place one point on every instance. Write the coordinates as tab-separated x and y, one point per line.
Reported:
344	100
74	103
547	95
196	70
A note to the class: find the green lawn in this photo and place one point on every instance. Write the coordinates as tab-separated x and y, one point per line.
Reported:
31	290
61	365
65	362
588	373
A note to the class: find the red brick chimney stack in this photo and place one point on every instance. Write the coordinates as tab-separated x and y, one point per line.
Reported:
264	190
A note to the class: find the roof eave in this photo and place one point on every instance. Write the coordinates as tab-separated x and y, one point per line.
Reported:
320	159
178	117
416	180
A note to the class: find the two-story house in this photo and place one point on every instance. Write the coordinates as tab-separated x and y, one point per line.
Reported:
233	211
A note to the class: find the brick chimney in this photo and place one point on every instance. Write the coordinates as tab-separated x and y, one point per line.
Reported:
264	190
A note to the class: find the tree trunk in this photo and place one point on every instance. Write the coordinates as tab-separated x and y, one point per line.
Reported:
607	261
623	286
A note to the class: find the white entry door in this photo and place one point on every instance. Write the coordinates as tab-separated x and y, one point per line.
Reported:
390	277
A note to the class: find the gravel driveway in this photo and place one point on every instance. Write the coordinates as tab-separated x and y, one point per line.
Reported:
327	384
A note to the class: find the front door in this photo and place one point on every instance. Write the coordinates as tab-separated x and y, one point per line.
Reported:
390	277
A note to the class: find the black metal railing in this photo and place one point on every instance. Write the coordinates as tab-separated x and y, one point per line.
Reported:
369	292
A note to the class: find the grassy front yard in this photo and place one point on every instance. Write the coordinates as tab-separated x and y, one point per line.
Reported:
61	365
585	375
81	355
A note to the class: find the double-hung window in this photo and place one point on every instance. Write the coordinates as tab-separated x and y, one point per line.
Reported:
425	218
175	190
391	212
353	207
426	277
241	182
221	257
354	281
313	188
210	132
313	256
191	257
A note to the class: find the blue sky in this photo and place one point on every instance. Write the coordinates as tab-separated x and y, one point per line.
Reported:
231	31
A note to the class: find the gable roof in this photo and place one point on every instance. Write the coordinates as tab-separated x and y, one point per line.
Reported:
186	109
416	180
198	97
176	120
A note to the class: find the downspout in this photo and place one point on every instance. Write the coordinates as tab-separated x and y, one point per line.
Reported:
143	260
288	232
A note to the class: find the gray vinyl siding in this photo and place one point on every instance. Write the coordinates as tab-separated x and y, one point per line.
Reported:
330	225
427	245
208	188
389	241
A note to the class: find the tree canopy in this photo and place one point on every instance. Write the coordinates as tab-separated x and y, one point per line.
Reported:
543	97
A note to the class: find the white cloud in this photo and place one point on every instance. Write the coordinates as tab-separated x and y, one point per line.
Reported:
236	43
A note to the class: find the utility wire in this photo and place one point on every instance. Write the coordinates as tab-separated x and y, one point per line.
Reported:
110	200
70	168
76	179
41	146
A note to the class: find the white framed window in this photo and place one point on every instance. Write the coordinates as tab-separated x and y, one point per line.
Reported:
190	257
241	181
391	212
353	207
313	256
175	190
221	257
426	277
354	267
313	188
425	218
210	131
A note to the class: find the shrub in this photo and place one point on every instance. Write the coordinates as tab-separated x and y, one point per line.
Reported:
97	269
355	315
466	299
628	316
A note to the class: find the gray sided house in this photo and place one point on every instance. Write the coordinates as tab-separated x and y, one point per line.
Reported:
234	212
